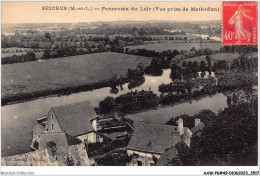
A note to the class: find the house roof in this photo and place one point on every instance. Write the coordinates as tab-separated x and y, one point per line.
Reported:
197	128
113	135
75	119
166	157
172	153
153	138
38	128
60	139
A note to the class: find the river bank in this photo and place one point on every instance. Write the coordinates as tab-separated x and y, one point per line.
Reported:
63	76
13	99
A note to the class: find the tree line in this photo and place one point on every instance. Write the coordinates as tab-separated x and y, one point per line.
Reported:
129	102
30	56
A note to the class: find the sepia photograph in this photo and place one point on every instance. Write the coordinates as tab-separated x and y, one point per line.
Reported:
126	83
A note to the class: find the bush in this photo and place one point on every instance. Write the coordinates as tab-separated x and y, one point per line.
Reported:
16	59
107	105
135	101
171	98
236	80
113	158
136	83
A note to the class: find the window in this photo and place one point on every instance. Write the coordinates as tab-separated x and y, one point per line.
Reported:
51	126
51	116
139	163
46	126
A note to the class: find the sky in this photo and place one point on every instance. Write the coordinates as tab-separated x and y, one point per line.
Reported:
31	12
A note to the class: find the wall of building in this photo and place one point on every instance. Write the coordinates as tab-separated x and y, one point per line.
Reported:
187	138
37	129
142	156
36	158
94	124
77	154
91	137
52	120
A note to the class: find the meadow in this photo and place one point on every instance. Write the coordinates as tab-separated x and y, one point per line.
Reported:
47	76
159	47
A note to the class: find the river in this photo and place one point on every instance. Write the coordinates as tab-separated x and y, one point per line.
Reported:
17	119
163	114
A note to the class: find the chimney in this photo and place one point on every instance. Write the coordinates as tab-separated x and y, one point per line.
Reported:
187	140
180	126
197	121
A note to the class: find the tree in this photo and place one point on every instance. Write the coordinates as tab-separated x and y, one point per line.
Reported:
195	66
46	54
176	72
177	59
107	47
229	137
206	116
107	105
184	64
134	73
202	65
101	47
156	63
31	56
189	85
141	66
114	80
193	49
48	35
208	59
155	67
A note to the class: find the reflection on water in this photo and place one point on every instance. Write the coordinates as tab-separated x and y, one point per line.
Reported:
114	90
136	83
17	119
162	115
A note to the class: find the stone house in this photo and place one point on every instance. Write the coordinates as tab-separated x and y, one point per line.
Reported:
78	122
150	141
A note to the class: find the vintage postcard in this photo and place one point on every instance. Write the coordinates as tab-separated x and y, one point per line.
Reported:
126	83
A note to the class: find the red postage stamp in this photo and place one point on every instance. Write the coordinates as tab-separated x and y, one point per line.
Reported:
239	23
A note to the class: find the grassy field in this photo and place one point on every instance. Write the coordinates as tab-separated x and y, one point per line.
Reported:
178	46
228	57
6	52
59	73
